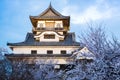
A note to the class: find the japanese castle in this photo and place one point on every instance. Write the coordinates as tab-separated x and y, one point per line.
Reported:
49	42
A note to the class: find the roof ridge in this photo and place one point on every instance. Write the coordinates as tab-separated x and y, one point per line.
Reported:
52	9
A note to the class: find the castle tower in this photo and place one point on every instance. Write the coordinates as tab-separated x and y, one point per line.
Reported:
50	39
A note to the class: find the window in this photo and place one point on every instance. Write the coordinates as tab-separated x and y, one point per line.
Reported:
49	52
50	36
58	25
33	51
40	25
63	51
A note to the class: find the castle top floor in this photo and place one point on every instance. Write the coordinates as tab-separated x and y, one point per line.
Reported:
50	20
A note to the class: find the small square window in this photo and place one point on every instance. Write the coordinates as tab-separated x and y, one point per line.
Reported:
63	51
49	52
33	51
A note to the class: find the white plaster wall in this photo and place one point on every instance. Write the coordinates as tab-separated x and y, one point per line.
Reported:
49	60
60	33
43	49
52	61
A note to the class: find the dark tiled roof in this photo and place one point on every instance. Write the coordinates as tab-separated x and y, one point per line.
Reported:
38	55
30	41
56	15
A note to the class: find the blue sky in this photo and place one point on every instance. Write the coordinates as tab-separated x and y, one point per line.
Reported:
15	22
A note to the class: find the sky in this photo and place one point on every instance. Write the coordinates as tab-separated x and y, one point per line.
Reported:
15	22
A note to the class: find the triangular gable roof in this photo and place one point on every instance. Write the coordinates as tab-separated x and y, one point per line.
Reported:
50	13
84	53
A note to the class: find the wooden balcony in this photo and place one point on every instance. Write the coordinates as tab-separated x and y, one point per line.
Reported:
49	29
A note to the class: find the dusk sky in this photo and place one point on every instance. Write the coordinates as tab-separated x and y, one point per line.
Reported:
15	22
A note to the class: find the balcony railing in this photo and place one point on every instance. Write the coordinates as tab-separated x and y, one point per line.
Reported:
48	29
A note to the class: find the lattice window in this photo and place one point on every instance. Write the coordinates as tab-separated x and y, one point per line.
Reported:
50	36
33	51
49	51
63	51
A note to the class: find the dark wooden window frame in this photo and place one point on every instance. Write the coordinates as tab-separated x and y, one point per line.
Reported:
63	51
49	36
49	51
33	51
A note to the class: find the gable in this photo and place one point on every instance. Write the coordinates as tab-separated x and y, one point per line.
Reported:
83	53
49	13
